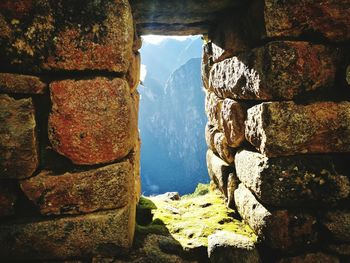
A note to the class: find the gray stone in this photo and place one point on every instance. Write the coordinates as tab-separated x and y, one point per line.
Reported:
338	224
286	128
299	181
224	246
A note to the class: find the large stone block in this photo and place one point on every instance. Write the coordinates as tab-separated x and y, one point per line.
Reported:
206	64
8	197
299	181
311	258
219	172
338	224
280	70
104	188
18	142
23	84
213	106
328	19
285	128
104	233
60	35
92	121
133	74
284	230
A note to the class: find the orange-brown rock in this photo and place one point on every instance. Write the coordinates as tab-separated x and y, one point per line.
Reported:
311	258
285	128
104	234
294	181
280	70
92	121
104	188
8	197
57	35
133	74
24	84
328	19
18	142
284	230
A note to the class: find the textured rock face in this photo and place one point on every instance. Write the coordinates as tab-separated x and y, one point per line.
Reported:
133	74
213	106
104	233
297	181
24	84
92	121
283	230
86	35
329	19
311	258
8	197
224	246
260	73
18	142
285	128
219	171
338	224
75	193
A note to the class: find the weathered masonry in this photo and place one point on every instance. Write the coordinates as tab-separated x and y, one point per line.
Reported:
277	78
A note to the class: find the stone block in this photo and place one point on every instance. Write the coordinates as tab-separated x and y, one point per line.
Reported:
8	197
223	149
92	121
18	142
57	35
285	128
329	19
99	189
210	132
23	84
213	106
281	70
311	258
287	231
219	172
295	181
338	224
224	246
206	64
104	233
348	75
339	249
133	74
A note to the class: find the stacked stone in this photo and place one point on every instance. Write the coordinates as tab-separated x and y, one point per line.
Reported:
69	147
279	124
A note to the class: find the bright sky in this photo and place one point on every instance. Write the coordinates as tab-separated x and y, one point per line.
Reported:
155	39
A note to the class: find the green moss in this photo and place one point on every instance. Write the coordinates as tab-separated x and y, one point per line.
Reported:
146	203
193	218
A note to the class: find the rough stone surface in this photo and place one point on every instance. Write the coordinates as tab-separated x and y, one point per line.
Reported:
328	19
133	74
23	84
57	35
339	249
348	75
280	70
104	188
8	197
219	171
104	233
232	184
210	132
338	224
213	106
283	230
311	258
223	149
92	121
18	142
224	246
285	128
206	64
292	181
135	159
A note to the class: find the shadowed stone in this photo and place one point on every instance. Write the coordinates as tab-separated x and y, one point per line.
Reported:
213	106
281	229
133	74
24	84
285	128
339	249
104	188
224	246
348	75
206	64
105	233
338	224
57	35
311	258
292	181
8	197
219	171
328	19
260	74
18	142
92	121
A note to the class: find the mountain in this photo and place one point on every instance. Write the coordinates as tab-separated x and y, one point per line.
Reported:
172	119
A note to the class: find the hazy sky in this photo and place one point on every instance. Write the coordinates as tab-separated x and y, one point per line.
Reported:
155	39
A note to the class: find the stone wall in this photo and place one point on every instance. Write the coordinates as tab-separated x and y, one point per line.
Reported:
69	147
278	127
